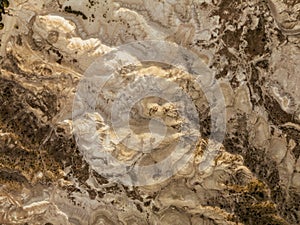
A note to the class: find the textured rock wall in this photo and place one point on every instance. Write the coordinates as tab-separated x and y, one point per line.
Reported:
252	49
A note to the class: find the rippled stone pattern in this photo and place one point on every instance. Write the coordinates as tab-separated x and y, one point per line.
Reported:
253	49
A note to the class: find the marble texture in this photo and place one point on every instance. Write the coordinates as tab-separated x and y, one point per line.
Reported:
252	48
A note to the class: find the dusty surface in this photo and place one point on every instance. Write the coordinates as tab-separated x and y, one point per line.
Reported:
251	47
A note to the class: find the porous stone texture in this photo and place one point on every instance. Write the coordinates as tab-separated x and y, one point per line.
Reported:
253	49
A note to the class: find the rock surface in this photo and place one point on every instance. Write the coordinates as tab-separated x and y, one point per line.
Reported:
52	144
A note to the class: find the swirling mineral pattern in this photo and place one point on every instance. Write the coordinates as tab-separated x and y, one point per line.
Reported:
145	114
149	112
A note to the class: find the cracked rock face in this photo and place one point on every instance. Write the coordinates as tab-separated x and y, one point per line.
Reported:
149	112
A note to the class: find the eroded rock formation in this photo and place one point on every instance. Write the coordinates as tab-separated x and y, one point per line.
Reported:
251	48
